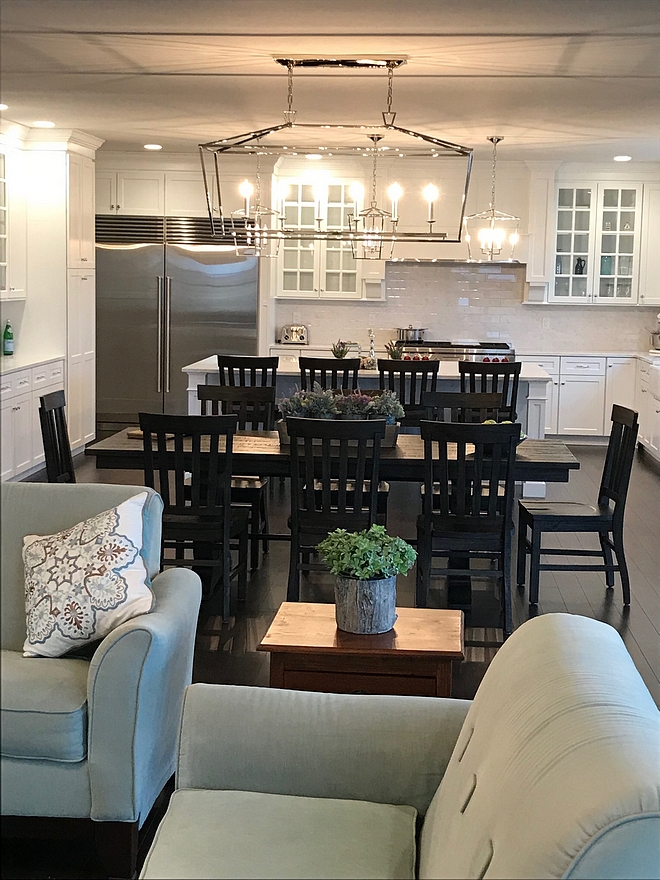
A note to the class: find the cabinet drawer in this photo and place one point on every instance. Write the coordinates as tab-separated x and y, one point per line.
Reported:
49	374
582	366
549	363
15	383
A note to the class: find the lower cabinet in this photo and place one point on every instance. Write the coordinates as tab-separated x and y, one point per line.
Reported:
619	386
81	359
21	452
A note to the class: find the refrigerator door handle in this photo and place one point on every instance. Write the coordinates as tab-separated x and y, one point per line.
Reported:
159	351
168	327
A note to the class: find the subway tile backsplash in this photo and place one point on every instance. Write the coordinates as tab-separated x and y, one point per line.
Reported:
471	301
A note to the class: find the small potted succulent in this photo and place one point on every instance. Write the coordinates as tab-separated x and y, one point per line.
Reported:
340	348
394	349
365	565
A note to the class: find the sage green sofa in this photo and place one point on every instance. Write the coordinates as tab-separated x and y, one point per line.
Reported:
91	739
552	771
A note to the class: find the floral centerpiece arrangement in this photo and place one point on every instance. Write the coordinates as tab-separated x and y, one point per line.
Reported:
365	565
322	403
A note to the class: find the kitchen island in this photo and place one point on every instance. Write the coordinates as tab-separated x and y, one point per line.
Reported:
532	390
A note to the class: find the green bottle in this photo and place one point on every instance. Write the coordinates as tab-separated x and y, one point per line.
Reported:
8	340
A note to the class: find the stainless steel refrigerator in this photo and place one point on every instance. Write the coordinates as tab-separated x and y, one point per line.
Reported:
166	295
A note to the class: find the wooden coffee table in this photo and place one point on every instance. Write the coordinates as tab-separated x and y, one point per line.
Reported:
308	652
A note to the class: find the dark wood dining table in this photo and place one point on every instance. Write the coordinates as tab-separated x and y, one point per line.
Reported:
260	452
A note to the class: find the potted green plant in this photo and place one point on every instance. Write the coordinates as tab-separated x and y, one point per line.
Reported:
394	349
340	348
365	565
319	403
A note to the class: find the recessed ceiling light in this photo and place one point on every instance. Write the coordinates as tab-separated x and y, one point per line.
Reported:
4	106
43	123
313	156
153	147
622	158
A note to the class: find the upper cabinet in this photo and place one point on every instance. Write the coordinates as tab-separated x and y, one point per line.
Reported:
649	268
597	244
130	192
80	216
13	227
324	269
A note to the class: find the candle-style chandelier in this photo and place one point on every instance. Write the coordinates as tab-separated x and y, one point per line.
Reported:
307	182
495	228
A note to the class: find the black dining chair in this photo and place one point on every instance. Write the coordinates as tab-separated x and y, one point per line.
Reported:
254	407
604	519
244	370
463	514
334	484
55	437
461	406
493	378
334	373
409	380
188	460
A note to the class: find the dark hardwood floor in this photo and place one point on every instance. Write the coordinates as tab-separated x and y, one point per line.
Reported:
226	653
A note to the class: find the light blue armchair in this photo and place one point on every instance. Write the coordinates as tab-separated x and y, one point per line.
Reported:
93	740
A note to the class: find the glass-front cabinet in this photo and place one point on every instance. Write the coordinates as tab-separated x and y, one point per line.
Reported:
597	243
320	269
3	224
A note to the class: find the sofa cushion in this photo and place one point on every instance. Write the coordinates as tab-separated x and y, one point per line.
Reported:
44	707
235	834
560	746
82	583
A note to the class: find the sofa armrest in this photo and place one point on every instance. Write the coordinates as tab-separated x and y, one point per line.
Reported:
385	749
135	691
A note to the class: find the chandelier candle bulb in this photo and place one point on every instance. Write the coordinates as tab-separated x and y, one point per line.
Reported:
395	192
431	193
246	189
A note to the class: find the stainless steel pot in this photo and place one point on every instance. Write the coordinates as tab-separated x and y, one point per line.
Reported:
410	334
655	339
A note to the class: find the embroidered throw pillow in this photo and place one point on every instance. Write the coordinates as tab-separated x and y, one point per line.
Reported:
81	583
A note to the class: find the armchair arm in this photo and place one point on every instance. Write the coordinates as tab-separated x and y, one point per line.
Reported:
384	749
135	689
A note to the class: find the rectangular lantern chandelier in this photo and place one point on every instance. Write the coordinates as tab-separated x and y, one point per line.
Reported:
309	182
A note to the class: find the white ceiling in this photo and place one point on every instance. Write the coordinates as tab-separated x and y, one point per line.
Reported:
568	80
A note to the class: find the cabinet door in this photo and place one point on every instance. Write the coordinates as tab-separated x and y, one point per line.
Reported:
619	386
617	244
141	192
649	268
654	426
80	358
80	212
574	244
581	402
185	195
106	192
13	226
88	214
22	431
6	440
644	407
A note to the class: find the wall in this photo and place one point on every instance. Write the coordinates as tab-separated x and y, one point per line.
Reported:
472	301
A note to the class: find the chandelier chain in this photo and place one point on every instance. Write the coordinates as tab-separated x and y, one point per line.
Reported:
492	191
390	78
373	176
290	86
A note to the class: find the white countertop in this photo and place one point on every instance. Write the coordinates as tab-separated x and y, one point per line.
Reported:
8	364
288	366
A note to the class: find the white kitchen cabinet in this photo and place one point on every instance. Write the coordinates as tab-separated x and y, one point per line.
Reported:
549	363
13	227
80	213
649	267
581	395
324	269
46	378
130	192
81	358
620	379
598	238
642	403
16	415
185	195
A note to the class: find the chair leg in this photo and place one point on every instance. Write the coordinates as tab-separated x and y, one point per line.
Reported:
255	528
226	584
617	540
535	561
522	551
423	571
607	559
293	586
506	587
243	564
264	521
